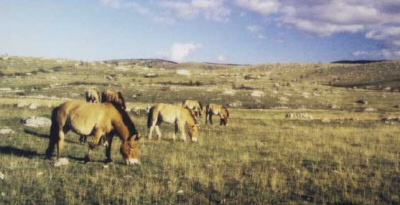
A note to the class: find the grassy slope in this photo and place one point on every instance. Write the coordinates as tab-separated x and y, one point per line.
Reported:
259	158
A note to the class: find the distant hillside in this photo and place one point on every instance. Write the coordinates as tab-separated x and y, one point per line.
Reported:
357	61
381	75
151	63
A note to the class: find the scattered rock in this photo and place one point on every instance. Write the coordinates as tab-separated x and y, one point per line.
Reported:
180	192
1	176
236	104
21	104
33	106
151	75
257	93
6	131
140	111
283	99
39	174
369	109
61	162
36	121
298	116
183	72
326	120
108	77
229	92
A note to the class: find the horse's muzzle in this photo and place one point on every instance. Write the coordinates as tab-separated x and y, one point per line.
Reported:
132	162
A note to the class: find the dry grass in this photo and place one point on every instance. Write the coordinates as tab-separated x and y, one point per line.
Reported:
341	156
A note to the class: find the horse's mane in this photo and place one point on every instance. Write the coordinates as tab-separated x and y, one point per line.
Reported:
122	98
191	115
125	117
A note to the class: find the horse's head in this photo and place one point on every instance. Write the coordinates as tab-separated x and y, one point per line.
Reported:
224	116
130	150
193	132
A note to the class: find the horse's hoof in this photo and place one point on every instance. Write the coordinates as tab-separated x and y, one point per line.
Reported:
107	161
194	139
86	158
92	145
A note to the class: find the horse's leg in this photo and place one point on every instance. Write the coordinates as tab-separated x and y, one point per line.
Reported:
60	142
53	139
181	127
158	132
95	141
108	148
82	139
151	131
176	130
210	118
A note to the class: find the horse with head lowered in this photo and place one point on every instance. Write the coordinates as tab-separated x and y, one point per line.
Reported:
172	114
98	120
221	111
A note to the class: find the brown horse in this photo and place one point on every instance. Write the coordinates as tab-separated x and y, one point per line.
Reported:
195	106
111	96
93	96
221	111
97	119
172	114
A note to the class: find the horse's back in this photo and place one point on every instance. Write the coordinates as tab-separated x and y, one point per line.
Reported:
83	117
169	113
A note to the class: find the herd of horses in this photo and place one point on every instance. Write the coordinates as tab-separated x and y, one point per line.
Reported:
104	116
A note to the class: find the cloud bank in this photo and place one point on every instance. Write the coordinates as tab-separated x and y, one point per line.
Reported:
377	20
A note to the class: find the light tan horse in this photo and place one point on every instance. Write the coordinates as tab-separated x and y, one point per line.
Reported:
221	111
172	114
92	95
97	119
111	96
195	106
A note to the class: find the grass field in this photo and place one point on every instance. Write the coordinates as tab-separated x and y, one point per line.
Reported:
343	154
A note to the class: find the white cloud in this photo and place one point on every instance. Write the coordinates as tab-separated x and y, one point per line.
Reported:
256	31
221	58
264	7
179	51
210	9
160	17
378	54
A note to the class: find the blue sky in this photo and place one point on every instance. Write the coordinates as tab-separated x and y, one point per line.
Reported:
221	31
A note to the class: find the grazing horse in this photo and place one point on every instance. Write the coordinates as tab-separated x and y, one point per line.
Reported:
214	109
172	114
97	119
195	106
111	96
92	95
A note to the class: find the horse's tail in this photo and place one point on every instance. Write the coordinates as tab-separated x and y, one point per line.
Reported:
54	132
150	117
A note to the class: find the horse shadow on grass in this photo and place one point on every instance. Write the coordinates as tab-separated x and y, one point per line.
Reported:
46	136
19	152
